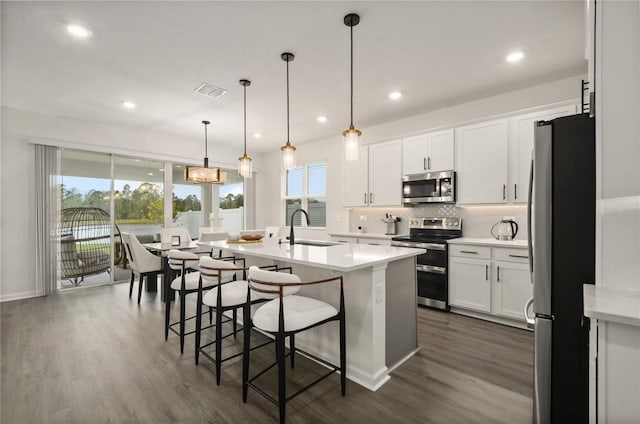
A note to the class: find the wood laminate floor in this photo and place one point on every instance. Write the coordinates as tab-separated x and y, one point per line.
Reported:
95	356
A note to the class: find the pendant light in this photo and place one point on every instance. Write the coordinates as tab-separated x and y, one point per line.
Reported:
351	136
288	150
196	174
244	165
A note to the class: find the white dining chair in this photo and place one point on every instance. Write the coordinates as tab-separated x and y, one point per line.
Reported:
143	263
167	235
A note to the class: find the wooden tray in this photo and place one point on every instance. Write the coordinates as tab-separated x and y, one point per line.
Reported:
241	241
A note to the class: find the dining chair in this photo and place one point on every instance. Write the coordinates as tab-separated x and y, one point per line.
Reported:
212	236
285	316
167	234
143	263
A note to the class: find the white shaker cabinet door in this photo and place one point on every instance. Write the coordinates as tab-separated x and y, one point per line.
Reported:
441	151
385	174
414	154
482	164
355	189
521	146
470	283
511	289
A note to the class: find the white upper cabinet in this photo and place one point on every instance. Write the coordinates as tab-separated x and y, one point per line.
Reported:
356	180
430	152
375	179
385	174
521	135
482	162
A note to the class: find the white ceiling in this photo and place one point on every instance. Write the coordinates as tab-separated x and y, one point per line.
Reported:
156	53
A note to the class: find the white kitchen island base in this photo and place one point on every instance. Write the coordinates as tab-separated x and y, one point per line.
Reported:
380	302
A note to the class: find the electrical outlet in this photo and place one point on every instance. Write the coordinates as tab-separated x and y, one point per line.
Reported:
379	293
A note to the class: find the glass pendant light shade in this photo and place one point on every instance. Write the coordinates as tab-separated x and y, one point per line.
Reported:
352	143
351	136
288	150
244	162
244	166
204	174
288	156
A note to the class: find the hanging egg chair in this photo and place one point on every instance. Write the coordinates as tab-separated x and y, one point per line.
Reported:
85	243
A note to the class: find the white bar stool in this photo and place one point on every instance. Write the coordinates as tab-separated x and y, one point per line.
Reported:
285	316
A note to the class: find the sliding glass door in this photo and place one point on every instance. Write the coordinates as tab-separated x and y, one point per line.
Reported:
84	231
138	202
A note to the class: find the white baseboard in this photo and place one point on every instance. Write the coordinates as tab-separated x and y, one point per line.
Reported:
17	296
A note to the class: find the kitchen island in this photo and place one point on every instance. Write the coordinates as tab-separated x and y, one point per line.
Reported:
380	300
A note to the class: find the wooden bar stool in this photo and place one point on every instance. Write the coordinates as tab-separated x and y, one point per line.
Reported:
285	316
227	294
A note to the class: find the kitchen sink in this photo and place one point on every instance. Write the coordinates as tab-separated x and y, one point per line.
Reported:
320	243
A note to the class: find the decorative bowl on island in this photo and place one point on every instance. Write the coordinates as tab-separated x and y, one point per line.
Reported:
251	237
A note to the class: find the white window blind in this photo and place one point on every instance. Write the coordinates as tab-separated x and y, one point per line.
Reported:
306	188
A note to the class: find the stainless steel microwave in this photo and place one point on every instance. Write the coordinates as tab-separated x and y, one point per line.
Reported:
431	187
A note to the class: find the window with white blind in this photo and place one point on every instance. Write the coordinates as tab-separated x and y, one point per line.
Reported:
306	188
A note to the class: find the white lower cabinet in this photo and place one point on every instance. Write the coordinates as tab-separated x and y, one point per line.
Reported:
510	289
469	284
496	284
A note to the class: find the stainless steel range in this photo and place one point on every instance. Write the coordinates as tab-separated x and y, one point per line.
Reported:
431	234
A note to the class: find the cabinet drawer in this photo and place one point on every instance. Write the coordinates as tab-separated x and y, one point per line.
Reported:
470	251
511	255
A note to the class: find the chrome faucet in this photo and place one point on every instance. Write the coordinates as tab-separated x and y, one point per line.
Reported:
292	238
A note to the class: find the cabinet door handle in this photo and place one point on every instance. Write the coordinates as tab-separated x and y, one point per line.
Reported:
518	256
515	191
468	251
424	163
365	198
428	162
498	274
370	198
486	272
504	192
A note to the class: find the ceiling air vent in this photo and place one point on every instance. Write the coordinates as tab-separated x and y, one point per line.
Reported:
210	90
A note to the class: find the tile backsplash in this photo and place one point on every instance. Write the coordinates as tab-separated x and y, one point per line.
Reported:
477	220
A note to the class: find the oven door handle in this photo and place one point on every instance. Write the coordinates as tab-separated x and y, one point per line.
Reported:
428	246
432	269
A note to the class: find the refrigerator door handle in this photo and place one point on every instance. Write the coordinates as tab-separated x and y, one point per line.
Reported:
529	213
531	321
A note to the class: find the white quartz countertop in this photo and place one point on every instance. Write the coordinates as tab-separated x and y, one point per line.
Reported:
341	257
612	304
365	235
489	242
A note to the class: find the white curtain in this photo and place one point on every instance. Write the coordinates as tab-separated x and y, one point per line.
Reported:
47	218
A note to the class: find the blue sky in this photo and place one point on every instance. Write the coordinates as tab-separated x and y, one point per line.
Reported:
84	185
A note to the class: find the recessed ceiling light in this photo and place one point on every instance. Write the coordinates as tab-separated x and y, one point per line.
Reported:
128	105
178	166
78	31
395	95
150	174
322	119
515	57
257	135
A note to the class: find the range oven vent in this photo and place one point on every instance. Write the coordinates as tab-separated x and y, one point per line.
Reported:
210	90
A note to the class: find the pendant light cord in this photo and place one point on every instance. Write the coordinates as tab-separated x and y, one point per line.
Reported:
351	76
287	101
245	120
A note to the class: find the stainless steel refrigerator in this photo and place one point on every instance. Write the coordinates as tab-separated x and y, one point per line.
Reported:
561	213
